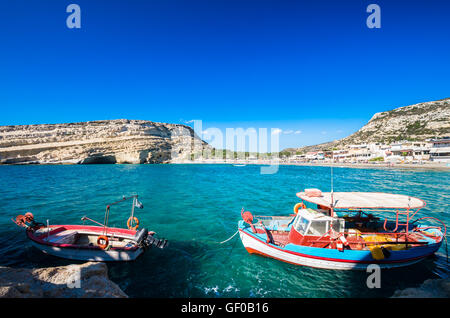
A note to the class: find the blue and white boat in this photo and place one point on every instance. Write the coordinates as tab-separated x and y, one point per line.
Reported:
340	230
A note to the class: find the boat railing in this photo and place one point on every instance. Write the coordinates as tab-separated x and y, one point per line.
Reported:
366	243
431	227
272	220
276	217
407	239
84	218
108	207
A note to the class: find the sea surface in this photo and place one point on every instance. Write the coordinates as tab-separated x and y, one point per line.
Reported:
197	206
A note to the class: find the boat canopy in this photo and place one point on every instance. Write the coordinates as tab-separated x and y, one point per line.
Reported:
364	200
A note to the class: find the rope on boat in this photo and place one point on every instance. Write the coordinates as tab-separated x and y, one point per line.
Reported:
229	237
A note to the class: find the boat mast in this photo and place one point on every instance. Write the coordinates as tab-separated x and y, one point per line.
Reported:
332	197
132	207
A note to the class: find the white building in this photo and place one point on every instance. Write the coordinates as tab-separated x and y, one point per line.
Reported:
411	151
315	155
440	150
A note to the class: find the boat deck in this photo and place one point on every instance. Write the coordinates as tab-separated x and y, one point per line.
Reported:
80	237
355	242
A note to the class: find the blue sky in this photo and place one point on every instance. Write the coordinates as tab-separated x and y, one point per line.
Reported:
310	66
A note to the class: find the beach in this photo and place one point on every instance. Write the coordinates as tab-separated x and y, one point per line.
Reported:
438	166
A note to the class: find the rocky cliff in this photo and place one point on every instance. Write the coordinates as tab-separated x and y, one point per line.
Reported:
107	141
415	122
85	280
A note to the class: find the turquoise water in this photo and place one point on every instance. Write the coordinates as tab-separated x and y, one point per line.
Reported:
197	206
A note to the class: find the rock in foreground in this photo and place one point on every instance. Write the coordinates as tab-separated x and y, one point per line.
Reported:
431	288
86	280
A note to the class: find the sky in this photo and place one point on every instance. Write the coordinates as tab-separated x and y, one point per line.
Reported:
311	69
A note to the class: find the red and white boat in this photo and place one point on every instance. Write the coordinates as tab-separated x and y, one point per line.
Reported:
340	231
92	242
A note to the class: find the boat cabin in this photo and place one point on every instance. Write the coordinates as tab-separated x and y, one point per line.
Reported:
314	222
310	224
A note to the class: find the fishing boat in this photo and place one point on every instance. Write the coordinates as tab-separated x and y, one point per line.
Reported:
92	242
340	230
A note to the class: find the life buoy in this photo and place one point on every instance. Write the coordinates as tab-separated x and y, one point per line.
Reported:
104	239
135	219
298	206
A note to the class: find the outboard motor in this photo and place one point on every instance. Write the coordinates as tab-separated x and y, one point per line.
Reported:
143	239
152	241
141	236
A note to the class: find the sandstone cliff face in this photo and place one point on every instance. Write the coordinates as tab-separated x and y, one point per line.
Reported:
85	280
108	141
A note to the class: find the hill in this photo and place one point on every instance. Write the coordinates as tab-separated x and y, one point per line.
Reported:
416	122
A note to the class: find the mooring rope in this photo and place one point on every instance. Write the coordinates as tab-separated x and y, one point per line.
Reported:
229	237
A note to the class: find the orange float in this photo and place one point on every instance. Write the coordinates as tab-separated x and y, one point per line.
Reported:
298	206
130	220
104	239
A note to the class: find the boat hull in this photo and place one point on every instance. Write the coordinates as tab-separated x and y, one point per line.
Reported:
89	255
85	253
331	259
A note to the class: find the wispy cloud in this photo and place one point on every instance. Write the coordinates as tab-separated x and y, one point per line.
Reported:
276	131
187	121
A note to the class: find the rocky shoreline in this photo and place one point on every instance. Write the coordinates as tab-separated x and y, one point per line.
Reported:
88	280
431	288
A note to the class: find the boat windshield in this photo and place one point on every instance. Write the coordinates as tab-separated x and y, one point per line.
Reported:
301	224
319	226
